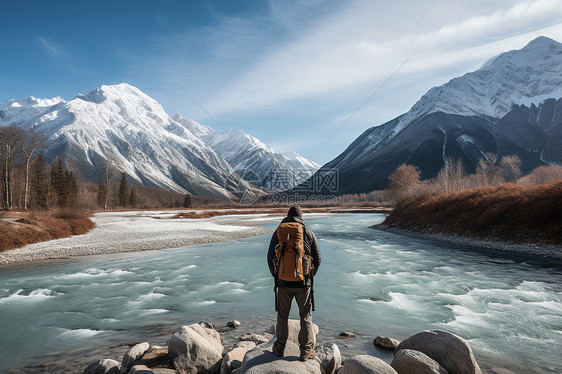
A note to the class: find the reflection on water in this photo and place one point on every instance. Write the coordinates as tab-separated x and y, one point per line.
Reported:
374	283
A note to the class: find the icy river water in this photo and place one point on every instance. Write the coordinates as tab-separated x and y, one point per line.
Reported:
57	316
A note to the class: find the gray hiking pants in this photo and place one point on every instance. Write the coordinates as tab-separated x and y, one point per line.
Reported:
306	335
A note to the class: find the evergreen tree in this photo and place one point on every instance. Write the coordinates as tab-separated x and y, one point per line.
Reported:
187	201
102	194
122	194
132	199
72	190
59	183
39	198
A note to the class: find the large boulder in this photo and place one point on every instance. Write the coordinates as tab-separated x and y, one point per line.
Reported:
133	355
261	360
105	366
195	348
156	357
256	338
295	328
386	343
233	359
450	350
364	364
209	333
329	357
408	361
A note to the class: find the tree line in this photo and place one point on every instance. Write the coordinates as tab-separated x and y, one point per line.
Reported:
28	182
406	181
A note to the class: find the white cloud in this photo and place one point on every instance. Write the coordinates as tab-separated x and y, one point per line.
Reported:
58	54
310	64
344	52
52	48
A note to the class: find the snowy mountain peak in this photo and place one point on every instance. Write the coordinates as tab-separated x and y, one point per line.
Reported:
122	126
543	44
192	126
510	106
525	76
15	112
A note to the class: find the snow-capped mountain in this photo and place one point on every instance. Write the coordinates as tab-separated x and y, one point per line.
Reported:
461	119
126	128
254	160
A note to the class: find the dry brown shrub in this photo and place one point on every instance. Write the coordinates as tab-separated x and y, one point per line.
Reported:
509	212
38	227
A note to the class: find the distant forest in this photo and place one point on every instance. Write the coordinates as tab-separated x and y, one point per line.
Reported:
29	183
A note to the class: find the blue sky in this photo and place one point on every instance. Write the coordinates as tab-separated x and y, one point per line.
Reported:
288	72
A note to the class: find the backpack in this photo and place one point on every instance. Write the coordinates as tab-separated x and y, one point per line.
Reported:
292	257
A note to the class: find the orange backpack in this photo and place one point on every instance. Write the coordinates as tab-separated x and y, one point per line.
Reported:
292	262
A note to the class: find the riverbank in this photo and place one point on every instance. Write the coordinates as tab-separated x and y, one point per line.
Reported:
130	231
18	229
540	250
508	218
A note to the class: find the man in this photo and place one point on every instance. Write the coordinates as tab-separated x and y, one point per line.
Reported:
301	290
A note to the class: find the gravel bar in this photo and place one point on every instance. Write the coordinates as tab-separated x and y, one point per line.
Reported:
143	230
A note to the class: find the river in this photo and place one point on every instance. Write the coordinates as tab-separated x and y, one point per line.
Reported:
57	316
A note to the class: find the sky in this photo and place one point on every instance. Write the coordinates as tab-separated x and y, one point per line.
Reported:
307	76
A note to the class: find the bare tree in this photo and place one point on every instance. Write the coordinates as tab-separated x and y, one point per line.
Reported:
104	187
402	182
511	167
452	177
488	171
545	174
10	139
31	143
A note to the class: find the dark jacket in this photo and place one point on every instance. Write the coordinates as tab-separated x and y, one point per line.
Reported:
309	241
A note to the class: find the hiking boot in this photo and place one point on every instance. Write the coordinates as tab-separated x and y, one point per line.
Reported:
277	352
307	356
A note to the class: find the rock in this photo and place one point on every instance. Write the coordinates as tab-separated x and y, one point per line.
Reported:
233	359
105	366
388	344
157	358
208	333
140	369
246	344
195	347
364	364
133	355
234	324
208	325
294	329
256	338
408	361
346	335
262	361
449	350
329	357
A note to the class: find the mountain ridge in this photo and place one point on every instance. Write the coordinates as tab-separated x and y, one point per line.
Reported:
458	119
121	125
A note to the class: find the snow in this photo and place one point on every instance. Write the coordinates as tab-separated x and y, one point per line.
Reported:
248	153
121	125
519	77
525	76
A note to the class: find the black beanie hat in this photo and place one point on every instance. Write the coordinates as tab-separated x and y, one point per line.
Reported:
295	211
